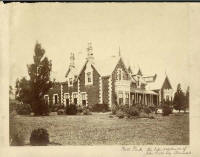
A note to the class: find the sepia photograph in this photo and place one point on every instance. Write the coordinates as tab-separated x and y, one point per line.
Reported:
90	74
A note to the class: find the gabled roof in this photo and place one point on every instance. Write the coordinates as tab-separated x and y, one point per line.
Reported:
139	78
106	66
167	82
150	79
158	83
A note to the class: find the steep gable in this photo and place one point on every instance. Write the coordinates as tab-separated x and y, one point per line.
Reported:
166	84
122	66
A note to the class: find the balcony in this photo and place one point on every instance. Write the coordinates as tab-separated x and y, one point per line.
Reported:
122	85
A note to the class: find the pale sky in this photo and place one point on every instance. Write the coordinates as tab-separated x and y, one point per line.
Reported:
154	36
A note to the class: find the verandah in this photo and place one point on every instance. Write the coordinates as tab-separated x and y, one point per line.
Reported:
144	97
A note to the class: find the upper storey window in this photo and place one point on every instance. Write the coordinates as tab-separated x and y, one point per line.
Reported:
89	75
70	81
119	74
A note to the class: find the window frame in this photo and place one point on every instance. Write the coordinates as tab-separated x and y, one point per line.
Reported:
70	82
55	99
75	96
85	98
66	96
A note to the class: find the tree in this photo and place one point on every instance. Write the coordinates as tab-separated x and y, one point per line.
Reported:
32	91
10	90
187	97
179	99
23	91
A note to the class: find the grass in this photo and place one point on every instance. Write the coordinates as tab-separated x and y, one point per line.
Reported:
99	129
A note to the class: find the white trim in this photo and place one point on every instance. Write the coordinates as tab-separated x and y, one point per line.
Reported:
78	101
110	90
61	94
100	91
46	95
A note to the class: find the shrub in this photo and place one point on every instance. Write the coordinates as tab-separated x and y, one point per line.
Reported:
86	111
152	108
55	107
124	108
39	137
114	109
89	107
61	111
143	115
100	107
79	109
17	139
133	111
13	105
152	117
147	110
71	109
23	109
40	107
44	109
120	114
139	107
166	110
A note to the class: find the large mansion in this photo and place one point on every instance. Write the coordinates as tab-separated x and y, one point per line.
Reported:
107	82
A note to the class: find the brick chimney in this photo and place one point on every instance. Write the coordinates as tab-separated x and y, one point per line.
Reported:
90	57
71	62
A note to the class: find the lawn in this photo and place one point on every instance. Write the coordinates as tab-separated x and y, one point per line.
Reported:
99	129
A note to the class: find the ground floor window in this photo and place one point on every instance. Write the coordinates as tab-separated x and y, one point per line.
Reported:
120	98
83	95
46	99
75	97
55	99
66	97
127	98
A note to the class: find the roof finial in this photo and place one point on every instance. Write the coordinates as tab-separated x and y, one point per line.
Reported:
165	72
89	48
119	52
